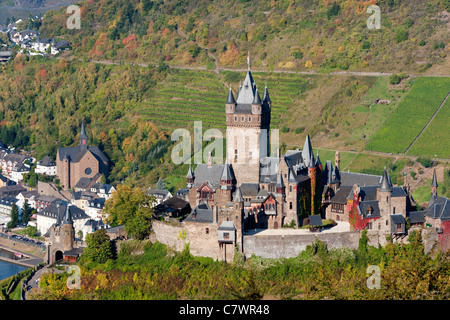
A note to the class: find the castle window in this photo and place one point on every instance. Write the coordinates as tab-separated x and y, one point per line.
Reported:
207	230
290	205
290	188
250	155
235	118
243	119
393	212
249	119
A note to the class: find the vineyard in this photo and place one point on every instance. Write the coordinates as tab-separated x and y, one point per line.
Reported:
411	116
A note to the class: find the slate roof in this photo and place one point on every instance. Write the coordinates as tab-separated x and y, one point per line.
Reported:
365	206
247	92
204	173
341	194
315	220
8	201
352	178
397	219
201	213
249	189
76	153
416	217
227	225
439	209
57	211
47	162
83	183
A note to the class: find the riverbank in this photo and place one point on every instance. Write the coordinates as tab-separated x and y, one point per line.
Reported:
27	259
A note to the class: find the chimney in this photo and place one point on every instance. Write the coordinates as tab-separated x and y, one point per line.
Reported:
209	160
215	213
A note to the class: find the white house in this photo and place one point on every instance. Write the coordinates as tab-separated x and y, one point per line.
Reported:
6	205
95	207
54	213
43	44
103	190
11	160
46	166
18	171
160	195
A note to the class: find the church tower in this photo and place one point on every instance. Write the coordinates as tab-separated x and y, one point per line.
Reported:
247	142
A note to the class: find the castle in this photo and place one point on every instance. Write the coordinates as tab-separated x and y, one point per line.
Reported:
253	190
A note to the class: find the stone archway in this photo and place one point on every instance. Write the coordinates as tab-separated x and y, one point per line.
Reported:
58	255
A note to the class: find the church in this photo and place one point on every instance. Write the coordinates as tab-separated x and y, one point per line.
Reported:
81	161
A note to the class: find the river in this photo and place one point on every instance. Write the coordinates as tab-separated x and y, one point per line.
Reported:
7	269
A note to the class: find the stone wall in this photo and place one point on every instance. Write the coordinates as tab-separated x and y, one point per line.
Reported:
287	246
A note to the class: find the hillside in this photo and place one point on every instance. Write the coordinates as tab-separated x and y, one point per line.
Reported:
131	106
312	35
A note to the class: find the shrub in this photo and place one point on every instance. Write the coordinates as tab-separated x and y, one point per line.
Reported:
365	45
299	130
334	10
425	162
401	35
396	78
439	45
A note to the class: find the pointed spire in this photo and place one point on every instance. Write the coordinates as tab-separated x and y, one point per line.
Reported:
83	136
67	216
307	151
385	185
266	97
256	98
230	99
238	195
318	163
434	181
311	161
280	183
190	174
226	173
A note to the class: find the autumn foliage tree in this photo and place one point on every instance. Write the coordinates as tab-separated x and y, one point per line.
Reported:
131	207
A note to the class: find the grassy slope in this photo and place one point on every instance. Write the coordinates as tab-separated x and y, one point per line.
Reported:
435	140
411	115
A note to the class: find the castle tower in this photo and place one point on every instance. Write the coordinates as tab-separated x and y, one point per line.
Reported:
313	176
66	174
67	231
337	160
246	117
226	183
384	193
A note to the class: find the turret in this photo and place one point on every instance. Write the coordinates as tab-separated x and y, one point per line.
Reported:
230	105
190	178
256	104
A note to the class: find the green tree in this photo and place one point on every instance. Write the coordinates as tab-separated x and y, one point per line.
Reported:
14	216
99	247
133	208
26	212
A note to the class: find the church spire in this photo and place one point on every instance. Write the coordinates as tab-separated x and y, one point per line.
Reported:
83	136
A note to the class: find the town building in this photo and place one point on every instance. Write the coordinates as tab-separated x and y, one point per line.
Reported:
46	166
